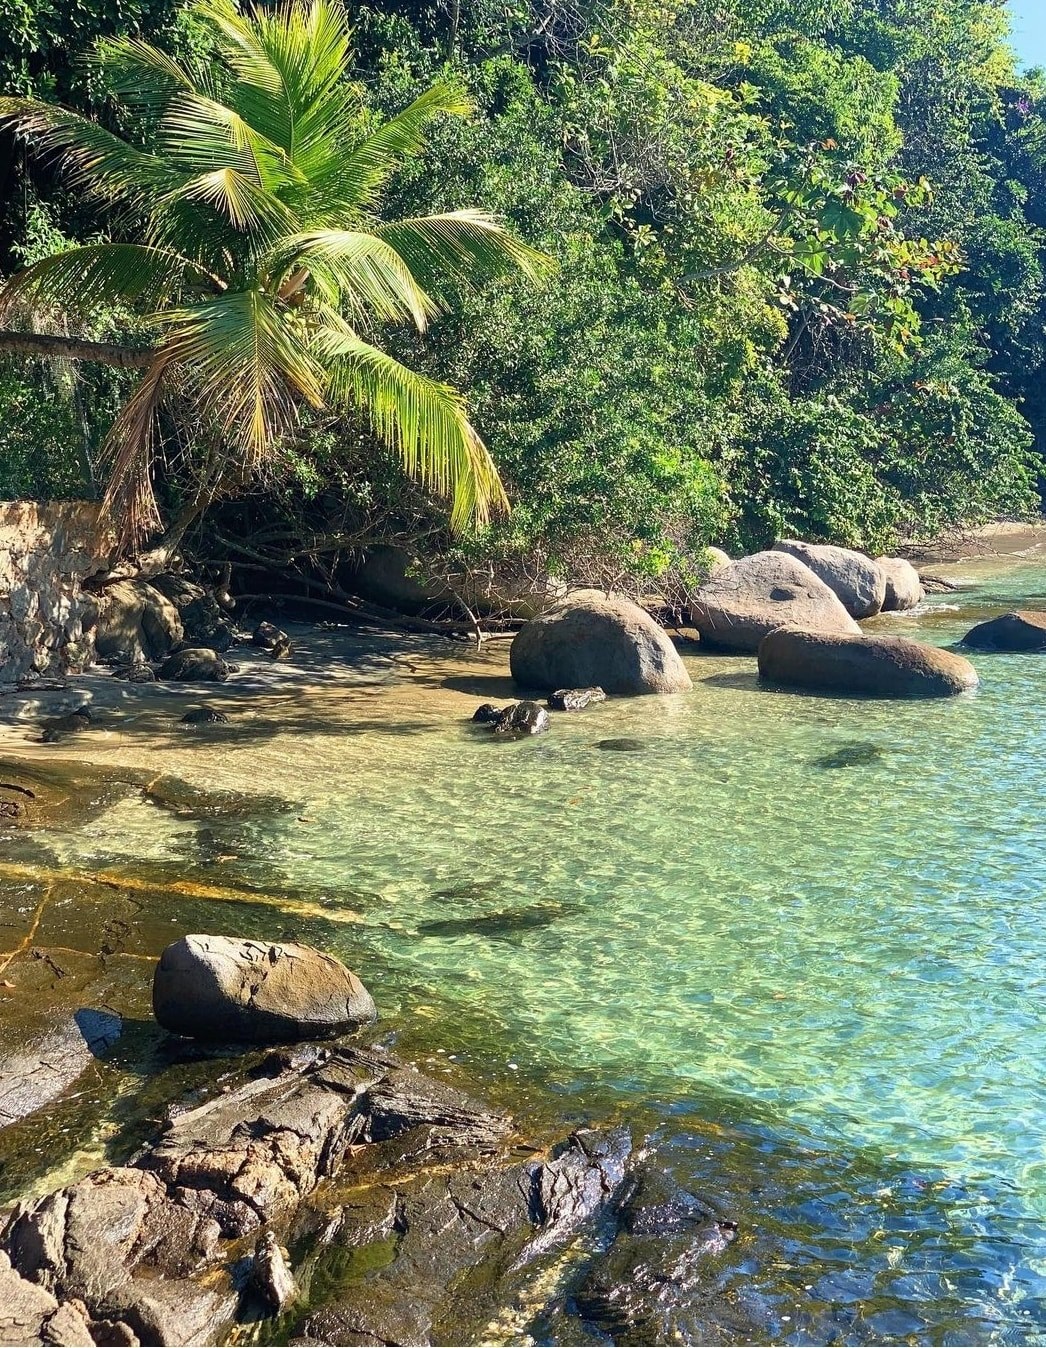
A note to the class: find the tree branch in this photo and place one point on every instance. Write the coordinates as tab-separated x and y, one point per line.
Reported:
47	346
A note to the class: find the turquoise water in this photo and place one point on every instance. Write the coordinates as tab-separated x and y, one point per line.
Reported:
802	932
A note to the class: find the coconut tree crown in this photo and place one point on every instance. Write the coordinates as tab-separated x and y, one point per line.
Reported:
247	232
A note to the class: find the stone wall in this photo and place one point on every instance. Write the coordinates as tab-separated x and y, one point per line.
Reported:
46	552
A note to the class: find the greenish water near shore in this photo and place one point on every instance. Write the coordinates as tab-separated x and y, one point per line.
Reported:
793	936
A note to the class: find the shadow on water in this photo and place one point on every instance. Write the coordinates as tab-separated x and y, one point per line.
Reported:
500	925
487	686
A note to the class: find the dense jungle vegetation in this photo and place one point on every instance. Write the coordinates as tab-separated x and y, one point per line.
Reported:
799	283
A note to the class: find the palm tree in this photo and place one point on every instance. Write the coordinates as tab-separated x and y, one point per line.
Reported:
246	233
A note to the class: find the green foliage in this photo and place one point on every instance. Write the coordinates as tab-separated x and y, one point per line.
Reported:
801	283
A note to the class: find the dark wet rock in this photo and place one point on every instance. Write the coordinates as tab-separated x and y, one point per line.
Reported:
194	664
1020	631
904	589
622	744
575	699
590	639
740	603
877	666
510	922
60	727
487	714
146	1247
40	1073
135	671
269	637
204	716
136	622
30	1315
171	793
940	585
657	1280
202	618
851	756
218	987
446	1251
857	581
522	718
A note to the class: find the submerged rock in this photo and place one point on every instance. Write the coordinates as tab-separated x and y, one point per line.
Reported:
194	664
60	727
575	699
1020	631
621	745
509	922
449	1250
217	987
904	589
522	718
204	716
857	582
755	595
850	756
590	639
879	666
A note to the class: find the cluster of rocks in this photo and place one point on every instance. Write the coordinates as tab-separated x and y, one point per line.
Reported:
188	1237
797	607
172	628
530	718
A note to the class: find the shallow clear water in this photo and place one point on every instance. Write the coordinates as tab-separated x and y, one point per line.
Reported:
813	927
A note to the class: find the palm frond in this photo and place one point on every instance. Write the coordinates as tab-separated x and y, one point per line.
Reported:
142	76
423	421
367	168
235	197
368	275
201	135
129	505
247	366
462	249
81	279
95	160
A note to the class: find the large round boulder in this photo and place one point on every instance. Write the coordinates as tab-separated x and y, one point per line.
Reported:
592	638
135	622
904	589
740	603
1021	631
857	581
221	988
879	666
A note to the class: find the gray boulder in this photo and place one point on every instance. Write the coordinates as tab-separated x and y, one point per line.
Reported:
135	623
904	589
857	581
740	603
880	666
1022	631
593	639
194	664
218	987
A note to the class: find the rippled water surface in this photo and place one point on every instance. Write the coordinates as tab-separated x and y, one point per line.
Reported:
805	933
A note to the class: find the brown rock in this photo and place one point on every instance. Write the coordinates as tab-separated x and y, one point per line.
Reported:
904	589
1022	631
880	666
30	1315
593	639
744	601
857	582
136	622
217	987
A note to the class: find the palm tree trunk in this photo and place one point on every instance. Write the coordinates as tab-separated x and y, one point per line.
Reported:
48	346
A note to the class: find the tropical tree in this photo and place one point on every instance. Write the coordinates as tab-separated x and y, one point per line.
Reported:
246	235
